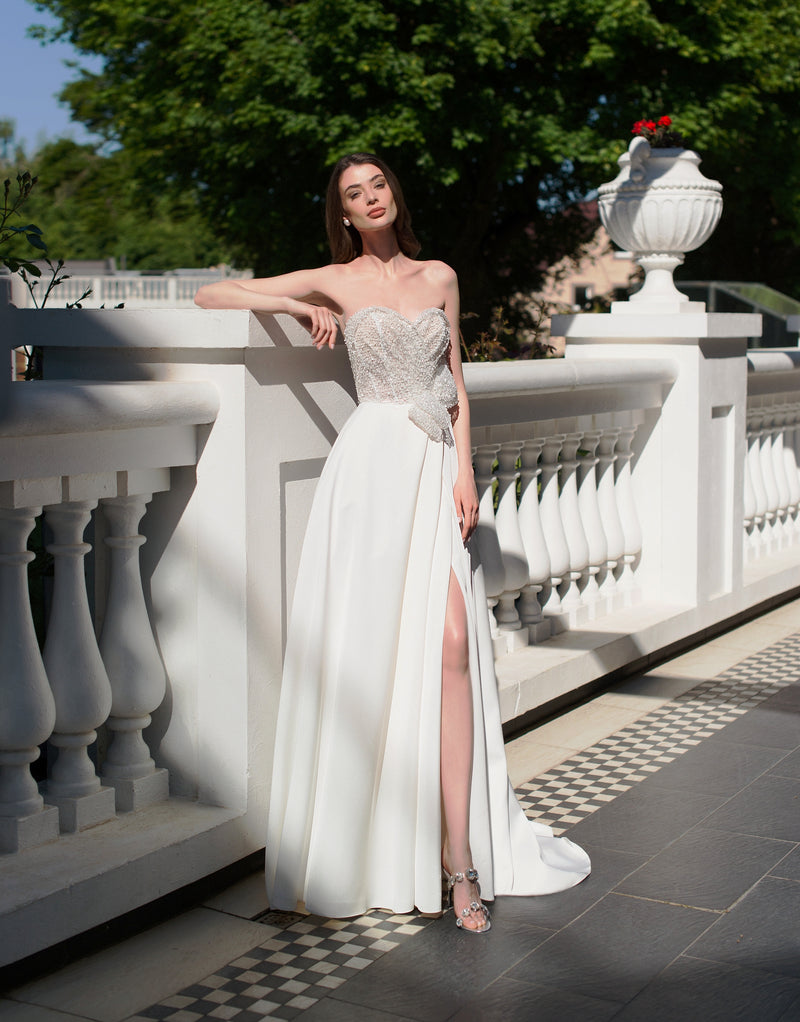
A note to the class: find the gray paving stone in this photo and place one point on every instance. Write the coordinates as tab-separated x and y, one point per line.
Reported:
643	821
715	768
331	1010
508	1000
760	932
614	950
553	911
787	697
770	726
694	989
705	868
789	766
788	867
441	970
769	807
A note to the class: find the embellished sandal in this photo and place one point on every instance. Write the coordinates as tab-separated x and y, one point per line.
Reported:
475	910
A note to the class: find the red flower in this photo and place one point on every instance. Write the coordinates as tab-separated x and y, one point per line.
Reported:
658	133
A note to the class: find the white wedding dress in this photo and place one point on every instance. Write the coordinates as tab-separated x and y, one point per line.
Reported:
355	810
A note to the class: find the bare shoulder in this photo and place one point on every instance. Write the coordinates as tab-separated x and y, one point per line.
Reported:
439	273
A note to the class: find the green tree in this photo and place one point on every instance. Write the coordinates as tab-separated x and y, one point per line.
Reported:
497	115
90	205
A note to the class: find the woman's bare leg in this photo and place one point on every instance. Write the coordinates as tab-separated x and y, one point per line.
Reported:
456	750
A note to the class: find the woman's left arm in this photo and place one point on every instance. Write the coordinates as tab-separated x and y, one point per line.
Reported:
464	491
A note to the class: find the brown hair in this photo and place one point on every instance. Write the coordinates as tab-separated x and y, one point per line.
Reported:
345	242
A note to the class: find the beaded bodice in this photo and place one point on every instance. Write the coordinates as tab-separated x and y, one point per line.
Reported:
396	360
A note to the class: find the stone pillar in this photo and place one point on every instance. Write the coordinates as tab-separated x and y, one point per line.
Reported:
687	463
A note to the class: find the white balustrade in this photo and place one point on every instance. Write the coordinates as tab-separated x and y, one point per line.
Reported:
512	549
28	709
131	657
589	509
758	518
790	468
491	557
534	544
776	424
609	513
553	528
771	521
631	529
77	676
573	526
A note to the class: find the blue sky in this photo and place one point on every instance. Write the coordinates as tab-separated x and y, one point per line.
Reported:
32	76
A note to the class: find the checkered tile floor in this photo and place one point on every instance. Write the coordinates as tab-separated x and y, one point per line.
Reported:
584	783
303	958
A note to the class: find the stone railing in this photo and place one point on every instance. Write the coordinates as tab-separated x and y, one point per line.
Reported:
134	291
772	476
553	451
612	489
66	448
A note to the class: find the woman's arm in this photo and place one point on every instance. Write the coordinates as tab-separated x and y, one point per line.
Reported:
301	294
465	492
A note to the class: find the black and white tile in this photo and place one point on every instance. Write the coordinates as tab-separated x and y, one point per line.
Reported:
584	783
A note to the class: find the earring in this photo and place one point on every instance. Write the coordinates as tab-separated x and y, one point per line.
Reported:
346	222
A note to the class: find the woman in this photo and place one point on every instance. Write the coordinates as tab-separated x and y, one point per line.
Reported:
389	760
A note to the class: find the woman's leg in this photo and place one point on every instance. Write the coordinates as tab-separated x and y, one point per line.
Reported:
456	751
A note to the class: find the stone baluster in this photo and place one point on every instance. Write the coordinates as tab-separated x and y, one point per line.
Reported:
758	535
512	550
777	421
27	709
787	471
748	498
769	529
486	533
590	517
790	466
573	527
553	528
77	676
609	514
626	504
131	657
530	524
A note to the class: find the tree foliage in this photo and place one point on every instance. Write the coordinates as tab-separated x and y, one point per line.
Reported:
496	114
91	206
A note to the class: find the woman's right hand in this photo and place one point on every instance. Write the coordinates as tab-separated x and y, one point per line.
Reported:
319	321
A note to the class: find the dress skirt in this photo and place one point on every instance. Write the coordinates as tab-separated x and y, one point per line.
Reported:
355	816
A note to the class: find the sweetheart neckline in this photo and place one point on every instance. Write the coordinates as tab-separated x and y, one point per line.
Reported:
386	308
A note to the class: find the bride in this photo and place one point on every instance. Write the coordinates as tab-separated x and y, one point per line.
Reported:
389	761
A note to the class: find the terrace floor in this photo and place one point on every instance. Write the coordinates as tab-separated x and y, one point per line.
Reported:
683	784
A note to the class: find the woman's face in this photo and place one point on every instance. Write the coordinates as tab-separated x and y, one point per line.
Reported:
367	199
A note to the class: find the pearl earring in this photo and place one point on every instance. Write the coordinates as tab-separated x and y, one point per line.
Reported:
346	222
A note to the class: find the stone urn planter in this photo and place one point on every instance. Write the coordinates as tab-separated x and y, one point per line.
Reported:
659	207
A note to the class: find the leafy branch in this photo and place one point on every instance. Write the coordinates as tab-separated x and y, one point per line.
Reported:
10	232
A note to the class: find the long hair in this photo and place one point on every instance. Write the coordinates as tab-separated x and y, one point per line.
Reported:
345	242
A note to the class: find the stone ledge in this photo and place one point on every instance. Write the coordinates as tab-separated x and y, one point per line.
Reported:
64	888
538	678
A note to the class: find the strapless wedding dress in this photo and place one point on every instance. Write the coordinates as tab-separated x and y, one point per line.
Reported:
355	811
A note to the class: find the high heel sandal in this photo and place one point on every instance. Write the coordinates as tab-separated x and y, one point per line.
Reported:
476	909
